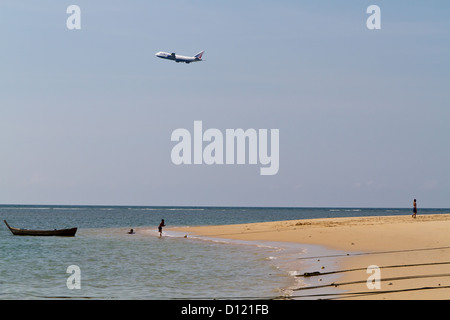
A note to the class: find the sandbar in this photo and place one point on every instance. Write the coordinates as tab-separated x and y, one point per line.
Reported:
412	255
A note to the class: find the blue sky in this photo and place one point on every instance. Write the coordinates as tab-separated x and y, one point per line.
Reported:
87	115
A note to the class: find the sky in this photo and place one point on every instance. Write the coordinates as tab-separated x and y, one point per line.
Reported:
87	115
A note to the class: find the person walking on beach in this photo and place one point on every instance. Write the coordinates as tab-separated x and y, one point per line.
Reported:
414	209
161	225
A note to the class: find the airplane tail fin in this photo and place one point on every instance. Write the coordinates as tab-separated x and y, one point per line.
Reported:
199	55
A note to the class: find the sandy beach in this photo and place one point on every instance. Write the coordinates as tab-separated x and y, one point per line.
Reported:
413	255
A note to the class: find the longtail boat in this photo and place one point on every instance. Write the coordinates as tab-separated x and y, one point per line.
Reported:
26	232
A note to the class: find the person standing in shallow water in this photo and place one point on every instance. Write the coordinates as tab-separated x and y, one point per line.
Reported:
161	225
414	209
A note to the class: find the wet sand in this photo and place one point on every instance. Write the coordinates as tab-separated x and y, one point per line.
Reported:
413	255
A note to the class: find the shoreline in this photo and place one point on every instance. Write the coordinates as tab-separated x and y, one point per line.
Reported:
413	255
291	259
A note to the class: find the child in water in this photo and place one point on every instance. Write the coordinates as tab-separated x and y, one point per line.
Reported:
161	225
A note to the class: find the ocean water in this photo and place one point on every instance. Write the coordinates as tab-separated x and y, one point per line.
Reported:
116	265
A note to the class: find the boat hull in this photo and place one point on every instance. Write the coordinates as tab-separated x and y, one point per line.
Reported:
57	232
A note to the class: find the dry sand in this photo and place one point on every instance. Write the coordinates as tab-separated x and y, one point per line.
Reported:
413	254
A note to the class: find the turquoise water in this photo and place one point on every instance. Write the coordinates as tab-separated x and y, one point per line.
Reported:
116	265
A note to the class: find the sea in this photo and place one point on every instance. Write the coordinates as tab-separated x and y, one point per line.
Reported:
104	262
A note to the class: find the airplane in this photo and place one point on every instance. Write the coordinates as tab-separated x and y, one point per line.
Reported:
178	58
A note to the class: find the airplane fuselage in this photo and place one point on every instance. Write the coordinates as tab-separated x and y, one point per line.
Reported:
179	58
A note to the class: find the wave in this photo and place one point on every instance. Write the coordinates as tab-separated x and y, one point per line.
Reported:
25	208
184	209
167	209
